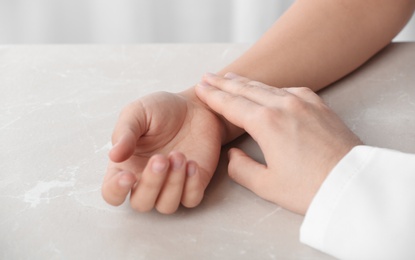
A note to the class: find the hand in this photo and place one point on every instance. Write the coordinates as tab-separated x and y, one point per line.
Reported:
302	139
165	150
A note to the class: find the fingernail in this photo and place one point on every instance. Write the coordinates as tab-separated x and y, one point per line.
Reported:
231	75
124	181
177	162
191	169
159	166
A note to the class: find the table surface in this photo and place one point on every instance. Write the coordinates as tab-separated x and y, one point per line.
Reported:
58	106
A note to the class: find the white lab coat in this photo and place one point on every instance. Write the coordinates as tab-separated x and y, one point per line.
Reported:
365	209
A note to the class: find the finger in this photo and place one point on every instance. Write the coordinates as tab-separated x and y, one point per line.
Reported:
247	172
116	187
194	188
124	147
305	94
130	127
252	90
169	199
238	110
144	195
233	76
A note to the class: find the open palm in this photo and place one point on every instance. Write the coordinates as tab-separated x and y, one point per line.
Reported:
172	127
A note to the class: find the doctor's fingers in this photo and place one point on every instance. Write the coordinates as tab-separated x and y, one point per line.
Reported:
238	85
238	110
304	93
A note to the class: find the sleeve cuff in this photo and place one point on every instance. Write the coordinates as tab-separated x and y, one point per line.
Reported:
319	214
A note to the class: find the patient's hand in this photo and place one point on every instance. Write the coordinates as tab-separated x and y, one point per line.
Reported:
165	150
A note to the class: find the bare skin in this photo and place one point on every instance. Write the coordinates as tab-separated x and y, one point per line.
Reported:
314	44
302	139
160	141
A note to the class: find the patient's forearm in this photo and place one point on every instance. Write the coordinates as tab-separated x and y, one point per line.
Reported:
316	42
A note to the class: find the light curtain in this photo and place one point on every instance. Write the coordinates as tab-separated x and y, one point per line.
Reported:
140	21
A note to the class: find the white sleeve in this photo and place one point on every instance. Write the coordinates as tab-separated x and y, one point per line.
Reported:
365	208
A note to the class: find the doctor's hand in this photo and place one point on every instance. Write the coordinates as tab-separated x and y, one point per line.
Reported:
165	150
301	138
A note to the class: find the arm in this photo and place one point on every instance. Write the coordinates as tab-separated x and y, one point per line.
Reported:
359	201
318	42
365	209
313	44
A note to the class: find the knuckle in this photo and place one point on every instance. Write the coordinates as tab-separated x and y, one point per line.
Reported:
219	81
250	87
294	104
250	84
265	114
255	84
306	94
244	88
304	90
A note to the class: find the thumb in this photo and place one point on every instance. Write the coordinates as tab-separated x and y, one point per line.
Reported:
123	148
246	171
131	125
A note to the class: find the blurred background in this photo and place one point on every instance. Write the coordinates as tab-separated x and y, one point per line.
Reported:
142	21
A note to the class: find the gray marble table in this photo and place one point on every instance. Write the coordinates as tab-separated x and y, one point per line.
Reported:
58	105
